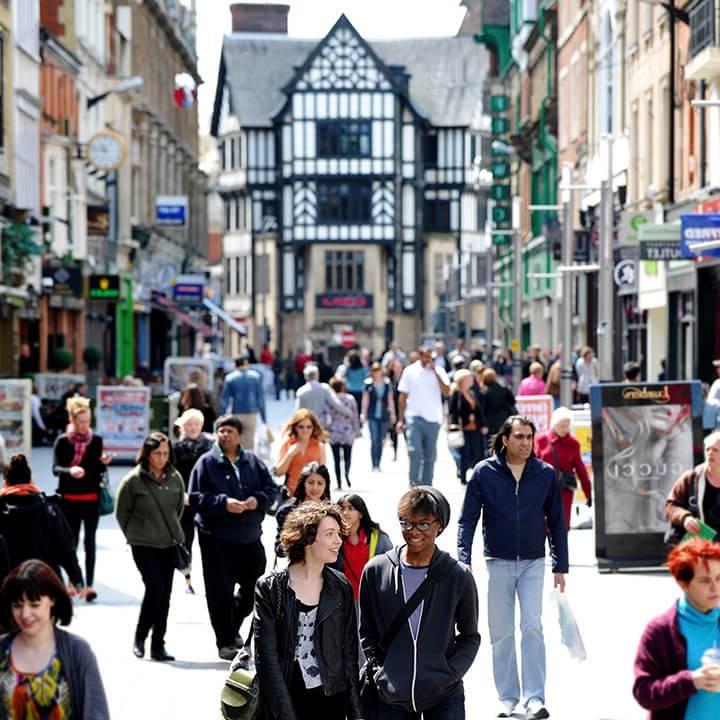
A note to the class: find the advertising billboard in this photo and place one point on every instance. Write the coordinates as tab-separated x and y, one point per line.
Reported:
644	436
15	427
123	418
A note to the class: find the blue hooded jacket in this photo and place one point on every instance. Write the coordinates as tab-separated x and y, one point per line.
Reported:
514	515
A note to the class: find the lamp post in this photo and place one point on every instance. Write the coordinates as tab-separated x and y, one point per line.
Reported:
606	300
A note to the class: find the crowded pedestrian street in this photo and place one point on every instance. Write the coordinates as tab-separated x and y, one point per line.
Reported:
359	359
611	610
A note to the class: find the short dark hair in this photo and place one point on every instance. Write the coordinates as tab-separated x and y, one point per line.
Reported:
425	500
312	468
301	524
631	370
506	429
337	384
18	470
241	360
153	442
34	579
229	420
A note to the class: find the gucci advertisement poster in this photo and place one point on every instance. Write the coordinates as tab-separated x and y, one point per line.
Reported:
645	436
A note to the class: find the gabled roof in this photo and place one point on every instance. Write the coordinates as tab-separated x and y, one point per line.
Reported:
446	74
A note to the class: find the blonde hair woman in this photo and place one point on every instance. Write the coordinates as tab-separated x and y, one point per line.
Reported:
79	462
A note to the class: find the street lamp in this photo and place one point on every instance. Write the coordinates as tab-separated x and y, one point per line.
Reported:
124	86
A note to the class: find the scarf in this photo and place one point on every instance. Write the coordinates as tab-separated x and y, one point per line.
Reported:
80	443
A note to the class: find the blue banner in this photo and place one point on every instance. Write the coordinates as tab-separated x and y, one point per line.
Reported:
700	232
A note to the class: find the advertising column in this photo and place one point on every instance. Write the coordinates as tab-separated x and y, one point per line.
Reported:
15	423
644	436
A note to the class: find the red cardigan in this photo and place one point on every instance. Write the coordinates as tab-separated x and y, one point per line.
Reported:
568	453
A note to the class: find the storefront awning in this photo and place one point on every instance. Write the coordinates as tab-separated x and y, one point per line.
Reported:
172	307
217	310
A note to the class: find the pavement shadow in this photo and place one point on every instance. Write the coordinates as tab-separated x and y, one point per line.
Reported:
110	596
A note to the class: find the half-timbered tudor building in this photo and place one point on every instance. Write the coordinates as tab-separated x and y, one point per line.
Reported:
346	169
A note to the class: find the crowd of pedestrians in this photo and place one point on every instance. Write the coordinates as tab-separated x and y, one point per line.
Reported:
346	625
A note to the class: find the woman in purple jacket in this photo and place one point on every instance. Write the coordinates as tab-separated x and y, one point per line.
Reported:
672	678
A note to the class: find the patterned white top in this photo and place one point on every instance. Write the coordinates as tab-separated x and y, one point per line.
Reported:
305	647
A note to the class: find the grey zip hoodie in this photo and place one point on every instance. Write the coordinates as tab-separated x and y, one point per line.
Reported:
418	674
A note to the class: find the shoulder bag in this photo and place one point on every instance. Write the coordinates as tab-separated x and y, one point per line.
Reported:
568	481
369	695
107	501
240	697
182	554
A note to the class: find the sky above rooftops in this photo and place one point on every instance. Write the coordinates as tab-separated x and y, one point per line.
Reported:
374	20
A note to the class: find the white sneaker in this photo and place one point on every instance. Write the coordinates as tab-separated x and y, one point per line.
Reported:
536	710
505	708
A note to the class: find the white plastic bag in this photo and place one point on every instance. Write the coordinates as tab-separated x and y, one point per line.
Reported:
569	631
263	442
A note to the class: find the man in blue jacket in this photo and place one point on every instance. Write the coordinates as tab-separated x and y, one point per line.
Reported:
232	489
517	495
244	394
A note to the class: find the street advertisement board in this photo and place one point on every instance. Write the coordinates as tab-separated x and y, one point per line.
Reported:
581	426
177	373
15	423
123	418
644	436
537	408
52	386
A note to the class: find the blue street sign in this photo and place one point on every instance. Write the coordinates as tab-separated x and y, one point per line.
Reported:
698	230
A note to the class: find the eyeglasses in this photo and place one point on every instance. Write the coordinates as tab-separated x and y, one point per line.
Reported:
424	526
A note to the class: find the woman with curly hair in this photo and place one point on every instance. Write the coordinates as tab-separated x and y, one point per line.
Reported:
314	486
305	631
304	443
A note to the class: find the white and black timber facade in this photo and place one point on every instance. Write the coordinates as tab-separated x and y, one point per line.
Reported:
346	167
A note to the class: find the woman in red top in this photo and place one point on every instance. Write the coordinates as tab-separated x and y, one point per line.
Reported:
561	449
364	541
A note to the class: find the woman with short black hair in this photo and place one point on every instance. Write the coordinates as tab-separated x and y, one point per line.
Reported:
45	672
304	627
150	502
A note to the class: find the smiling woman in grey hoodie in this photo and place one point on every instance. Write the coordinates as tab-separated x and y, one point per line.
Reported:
440	639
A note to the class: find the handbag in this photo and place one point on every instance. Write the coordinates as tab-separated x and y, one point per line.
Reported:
369	695
182	554
240	697
568	481
107	501
455	437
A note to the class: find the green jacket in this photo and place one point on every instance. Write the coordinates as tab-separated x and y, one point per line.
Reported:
137	511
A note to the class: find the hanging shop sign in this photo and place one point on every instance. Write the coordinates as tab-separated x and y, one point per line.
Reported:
103	287
171	210
700	235
660	242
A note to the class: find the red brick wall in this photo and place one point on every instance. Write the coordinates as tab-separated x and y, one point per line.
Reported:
247	17
50	17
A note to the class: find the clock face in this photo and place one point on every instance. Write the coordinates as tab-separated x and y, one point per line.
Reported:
105	151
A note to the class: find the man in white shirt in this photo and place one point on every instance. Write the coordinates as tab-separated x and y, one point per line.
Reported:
420	410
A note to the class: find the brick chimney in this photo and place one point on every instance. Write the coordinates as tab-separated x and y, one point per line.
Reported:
259	18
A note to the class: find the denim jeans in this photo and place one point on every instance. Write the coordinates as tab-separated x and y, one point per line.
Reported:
451	709
378	428
506	579
422	448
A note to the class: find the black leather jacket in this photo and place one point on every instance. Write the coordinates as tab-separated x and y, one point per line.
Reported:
275	626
